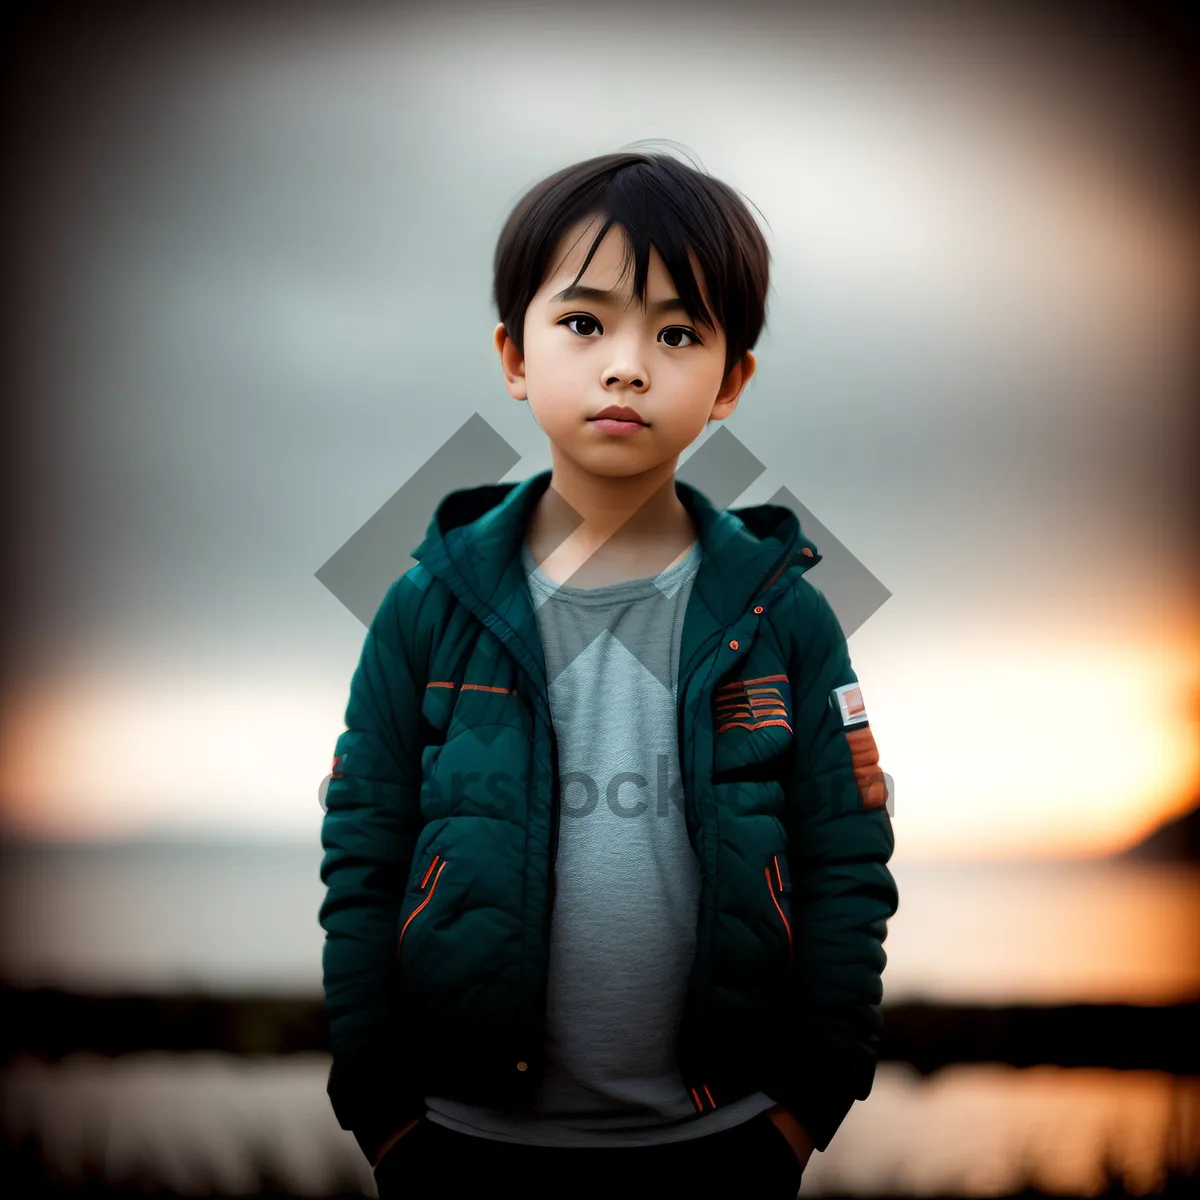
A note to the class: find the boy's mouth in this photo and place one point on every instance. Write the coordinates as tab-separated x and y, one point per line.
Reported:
619	428
618	414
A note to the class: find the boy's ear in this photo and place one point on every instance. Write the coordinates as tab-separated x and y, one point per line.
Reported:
731	389
512	363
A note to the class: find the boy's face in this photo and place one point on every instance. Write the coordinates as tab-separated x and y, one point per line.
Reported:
585	353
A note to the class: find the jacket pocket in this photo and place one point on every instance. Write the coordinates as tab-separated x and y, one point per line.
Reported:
752	729
779	884
429	882
753	704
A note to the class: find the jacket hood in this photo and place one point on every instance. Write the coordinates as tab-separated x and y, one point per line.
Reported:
473	544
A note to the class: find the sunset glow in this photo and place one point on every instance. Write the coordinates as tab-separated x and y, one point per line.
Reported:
1037	752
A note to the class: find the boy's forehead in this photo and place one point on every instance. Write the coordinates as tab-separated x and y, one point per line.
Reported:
608	268
573	248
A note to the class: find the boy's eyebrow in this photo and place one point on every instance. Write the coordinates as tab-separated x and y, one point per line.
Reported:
578	291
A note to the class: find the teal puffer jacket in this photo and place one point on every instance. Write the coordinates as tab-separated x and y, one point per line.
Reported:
441	827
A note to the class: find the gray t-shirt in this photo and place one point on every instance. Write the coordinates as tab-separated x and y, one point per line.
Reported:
623	932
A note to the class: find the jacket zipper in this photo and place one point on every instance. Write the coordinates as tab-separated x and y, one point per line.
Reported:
553	824
551	873
554	818
696	1011
778	909
424	902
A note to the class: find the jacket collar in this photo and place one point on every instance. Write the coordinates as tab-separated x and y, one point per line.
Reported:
473	545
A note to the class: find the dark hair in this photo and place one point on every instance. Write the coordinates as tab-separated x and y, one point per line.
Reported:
658	200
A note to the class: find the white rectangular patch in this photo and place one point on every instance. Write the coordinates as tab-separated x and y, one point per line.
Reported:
849	702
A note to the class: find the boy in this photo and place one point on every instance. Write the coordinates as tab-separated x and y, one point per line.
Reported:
605	839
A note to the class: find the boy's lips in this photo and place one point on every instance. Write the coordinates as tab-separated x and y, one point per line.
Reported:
618	428
618	412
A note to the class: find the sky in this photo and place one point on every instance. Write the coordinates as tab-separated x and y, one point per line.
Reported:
250	296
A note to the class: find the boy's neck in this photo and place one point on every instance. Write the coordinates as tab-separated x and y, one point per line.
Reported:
632	526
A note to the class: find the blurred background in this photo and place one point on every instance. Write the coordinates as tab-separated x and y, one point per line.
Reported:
247	271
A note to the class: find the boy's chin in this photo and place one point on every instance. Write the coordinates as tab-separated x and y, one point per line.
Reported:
616	464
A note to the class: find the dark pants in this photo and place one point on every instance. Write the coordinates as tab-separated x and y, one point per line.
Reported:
751	1161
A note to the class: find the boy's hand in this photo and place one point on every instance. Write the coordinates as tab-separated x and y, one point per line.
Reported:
795	1133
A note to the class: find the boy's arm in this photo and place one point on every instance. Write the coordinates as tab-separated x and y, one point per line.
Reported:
372	817
839	842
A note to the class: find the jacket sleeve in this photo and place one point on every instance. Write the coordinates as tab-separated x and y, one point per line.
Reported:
839	842
368	834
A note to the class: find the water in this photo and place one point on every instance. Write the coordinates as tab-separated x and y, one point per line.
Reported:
209	1124
244	918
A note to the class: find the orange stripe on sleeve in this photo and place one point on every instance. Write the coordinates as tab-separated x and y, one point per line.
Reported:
872	786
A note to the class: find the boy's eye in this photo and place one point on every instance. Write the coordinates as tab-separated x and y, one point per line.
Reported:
671	329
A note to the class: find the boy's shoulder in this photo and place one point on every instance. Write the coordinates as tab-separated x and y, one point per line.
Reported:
408	593
800	610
